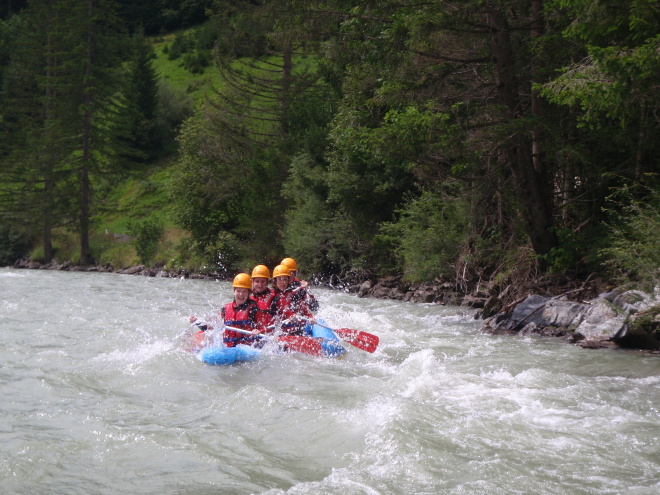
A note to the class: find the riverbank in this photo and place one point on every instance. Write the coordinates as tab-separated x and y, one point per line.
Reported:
131	270
591	315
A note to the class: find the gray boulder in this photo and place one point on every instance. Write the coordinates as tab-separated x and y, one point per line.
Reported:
628	319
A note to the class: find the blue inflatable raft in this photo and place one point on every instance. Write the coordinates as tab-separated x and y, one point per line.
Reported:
220	356
332	346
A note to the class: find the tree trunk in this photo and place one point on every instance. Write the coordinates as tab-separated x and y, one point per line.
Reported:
286	88
49	183
536	101
86	158
529	189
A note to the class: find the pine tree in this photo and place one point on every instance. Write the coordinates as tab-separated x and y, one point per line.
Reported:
236	151
141	96
96	83
34	121
64	115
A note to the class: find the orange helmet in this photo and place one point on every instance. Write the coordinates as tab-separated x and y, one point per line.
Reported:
260	271
243	281
281	271
290	262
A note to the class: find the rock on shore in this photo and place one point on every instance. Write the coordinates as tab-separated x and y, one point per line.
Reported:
398	289
629	319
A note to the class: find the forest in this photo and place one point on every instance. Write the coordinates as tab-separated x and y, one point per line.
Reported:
475	141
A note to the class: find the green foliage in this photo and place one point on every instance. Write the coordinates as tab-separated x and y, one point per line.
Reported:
197	61
10	29
182	43
161	16
577	253
428	235
13	244
634	252
324	240
206	193
339	139
148	233
172	109
193	47
142	98
615	82
222	256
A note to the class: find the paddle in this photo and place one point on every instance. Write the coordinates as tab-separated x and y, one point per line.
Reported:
298	343
362	340
194	340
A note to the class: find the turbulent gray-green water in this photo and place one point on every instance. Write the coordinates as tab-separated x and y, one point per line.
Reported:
98	397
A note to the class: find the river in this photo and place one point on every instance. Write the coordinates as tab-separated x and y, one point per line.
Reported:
98	397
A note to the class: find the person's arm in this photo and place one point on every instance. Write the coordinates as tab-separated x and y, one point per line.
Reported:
254	323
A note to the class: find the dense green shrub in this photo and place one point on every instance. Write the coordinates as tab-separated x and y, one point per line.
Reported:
182	43
148	234
634	253
577	253
428	235
195	62
13	245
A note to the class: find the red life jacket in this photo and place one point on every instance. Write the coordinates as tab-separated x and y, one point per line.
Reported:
265	314
240	318
310	299
289	303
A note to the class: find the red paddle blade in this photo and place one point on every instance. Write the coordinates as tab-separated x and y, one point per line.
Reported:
362	340
193	342
305	345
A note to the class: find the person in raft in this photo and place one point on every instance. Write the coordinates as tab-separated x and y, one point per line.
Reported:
312	303
263	295
289	305
241	313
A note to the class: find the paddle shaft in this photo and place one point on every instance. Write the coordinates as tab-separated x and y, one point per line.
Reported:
306	345
240	330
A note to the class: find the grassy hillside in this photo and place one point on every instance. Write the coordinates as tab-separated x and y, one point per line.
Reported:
142	197
127	210
173	71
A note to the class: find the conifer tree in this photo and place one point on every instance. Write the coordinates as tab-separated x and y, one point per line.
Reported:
64	113
97	83
141	95
243	138
34	121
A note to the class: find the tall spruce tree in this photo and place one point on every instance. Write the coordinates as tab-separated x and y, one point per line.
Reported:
97	84
35	121
244	136
64	113
141	96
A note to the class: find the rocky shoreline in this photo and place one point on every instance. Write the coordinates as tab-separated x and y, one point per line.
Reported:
616	319
628	320
444	293
625	319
